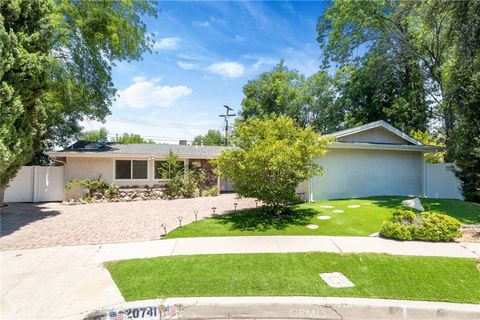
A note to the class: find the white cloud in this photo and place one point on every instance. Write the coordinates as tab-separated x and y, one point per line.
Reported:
227	69
168	43
186	65
144	93
202	24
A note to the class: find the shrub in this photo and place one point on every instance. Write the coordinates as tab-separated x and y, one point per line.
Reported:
210	192
111	191
427	227
404	216
397	230
438	227
91	184
186	185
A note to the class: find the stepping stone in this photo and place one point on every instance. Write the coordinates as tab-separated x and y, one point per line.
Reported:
338	211
323	217
366	203
326	207
354	206
312	226
381	201
336	280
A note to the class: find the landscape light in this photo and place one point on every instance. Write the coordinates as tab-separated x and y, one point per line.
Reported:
213	209
235	206
164	226
180	220
195	212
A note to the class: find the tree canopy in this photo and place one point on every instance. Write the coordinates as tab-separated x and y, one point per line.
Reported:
211	138
95	135
273	157
132	138
56	59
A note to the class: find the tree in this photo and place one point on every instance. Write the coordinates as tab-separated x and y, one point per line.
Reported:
464	82
273	157
26	36
95	135
211	138
274	92
56	61
133	138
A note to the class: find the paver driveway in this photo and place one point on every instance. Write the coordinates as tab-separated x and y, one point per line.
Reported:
25	226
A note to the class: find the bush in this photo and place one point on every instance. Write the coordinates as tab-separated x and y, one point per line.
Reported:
438	227
186	185
404	216
91	184
112	191
210	192
428	227
397	230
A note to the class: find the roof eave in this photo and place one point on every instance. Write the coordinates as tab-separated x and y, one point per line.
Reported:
373	146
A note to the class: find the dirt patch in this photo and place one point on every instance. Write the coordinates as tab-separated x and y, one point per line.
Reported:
471	233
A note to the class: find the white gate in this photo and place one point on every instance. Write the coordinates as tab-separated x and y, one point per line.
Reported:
36	184
441	181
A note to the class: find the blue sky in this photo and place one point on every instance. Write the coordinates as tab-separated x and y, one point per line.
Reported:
205	53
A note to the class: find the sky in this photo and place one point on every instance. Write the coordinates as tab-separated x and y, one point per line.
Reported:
205	52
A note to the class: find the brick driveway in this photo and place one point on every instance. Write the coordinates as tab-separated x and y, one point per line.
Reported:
29	225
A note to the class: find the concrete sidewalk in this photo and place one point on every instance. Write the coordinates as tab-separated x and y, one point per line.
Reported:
68	282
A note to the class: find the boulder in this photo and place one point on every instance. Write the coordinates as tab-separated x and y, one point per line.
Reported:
413	204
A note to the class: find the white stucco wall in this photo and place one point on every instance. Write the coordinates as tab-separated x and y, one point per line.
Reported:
360	172
441	181
89	168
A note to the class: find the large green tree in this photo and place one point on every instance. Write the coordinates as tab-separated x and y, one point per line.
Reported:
95	135
56	62
133	138
26	40
211	138
273	156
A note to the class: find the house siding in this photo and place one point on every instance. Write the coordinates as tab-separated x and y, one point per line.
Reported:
375	135
358	173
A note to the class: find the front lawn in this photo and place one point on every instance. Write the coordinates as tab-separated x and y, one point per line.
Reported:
297	274
359	221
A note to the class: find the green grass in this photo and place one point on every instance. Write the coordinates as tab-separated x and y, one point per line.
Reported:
362	221
297	274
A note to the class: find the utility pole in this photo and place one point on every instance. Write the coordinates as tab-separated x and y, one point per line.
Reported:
226	116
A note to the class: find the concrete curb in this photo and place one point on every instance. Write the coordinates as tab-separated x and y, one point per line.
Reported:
310	308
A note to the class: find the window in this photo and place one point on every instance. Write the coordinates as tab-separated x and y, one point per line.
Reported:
131	169
140	169
122	169
163	169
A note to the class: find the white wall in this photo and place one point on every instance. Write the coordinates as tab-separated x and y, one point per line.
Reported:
36	184
441	181
359	172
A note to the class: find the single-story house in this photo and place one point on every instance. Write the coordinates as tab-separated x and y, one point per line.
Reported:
372	159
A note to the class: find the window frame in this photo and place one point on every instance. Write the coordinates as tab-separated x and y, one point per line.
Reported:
131	169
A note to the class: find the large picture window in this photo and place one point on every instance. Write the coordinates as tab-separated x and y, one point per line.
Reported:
131	169
165	170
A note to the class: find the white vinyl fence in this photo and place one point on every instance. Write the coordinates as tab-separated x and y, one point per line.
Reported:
441	181
36	184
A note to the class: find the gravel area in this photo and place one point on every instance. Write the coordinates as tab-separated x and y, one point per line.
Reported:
35	225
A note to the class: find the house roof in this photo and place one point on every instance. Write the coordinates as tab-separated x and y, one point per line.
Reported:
376	124
106	149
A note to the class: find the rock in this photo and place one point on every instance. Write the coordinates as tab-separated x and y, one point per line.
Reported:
413	204
127	198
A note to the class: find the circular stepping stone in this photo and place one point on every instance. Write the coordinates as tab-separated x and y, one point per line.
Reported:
354	206
338	211
326	207
312	226
323	217
366	203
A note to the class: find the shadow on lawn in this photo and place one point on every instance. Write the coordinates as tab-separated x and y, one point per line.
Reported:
258	220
